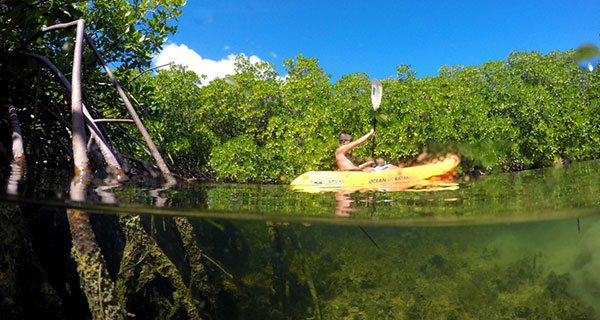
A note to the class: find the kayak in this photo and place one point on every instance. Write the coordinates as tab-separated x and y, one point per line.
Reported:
437	174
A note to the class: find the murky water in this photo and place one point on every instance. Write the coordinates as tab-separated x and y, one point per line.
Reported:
507	246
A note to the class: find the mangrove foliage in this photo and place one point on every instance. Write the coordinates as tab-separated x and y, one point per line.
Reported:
528	111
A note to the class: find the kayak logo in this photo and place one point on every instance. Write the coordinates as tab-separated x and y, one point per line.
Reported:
377	180
331	181
401	178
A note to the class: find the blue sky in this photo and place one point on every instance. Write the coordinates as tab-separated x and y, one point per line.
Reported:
375	36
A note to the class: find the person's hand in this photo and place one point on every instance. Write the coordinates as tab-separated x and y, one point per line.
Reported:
373	132
366	164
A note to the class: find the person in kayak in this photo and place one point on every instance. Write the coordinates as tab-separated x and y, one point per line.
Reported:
346	145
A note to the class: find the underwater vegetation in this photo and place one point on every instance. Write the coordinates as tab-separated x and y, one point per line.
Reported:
192	268
484	272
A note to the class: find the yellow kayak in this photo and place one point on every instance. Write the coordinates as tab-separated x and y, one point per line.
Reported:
436	174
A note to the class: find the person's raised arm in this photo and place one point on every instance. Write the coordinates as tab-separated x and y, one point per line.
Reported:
346	148
364	138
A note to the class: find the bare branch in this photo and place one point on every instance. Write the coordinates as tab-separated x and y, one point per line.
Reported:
148	70
138	142
109	156
42	31
147	116
80	157
57	117
113	121
61	26
158	158
62	144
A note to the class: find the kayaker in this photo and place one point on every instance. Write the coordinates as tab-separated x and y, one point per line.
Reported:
346	145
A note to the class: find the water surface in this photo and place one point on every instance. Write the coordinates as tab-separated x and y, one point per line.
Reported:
518	245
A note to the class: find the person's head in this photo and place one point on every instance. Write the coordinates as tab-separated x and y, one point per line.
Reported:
345	137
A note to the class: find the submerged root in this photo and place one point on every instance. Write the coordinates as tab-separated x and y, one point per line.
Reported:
95	281
199	282
149	282
25	291
97	286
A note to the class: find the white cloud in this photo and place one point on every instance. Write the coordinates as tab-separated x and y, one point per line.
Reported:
181	54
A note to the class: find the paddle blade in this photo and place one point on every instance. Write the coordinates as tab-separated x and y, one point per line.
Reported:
376	93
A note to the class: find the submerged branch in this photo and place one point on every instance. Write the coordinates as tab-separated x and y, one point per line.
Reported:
142	265
218	265
95	280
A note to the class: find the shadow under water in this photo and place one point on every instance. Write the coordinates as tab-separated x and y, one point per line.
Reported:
522	245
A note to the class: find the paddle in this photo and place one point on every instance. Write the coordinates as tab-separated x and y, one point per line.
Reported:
376	93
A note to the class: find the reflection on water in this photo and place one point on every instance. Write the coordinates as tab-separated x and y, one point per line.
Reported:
343	203
522	245
16	174
523	196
